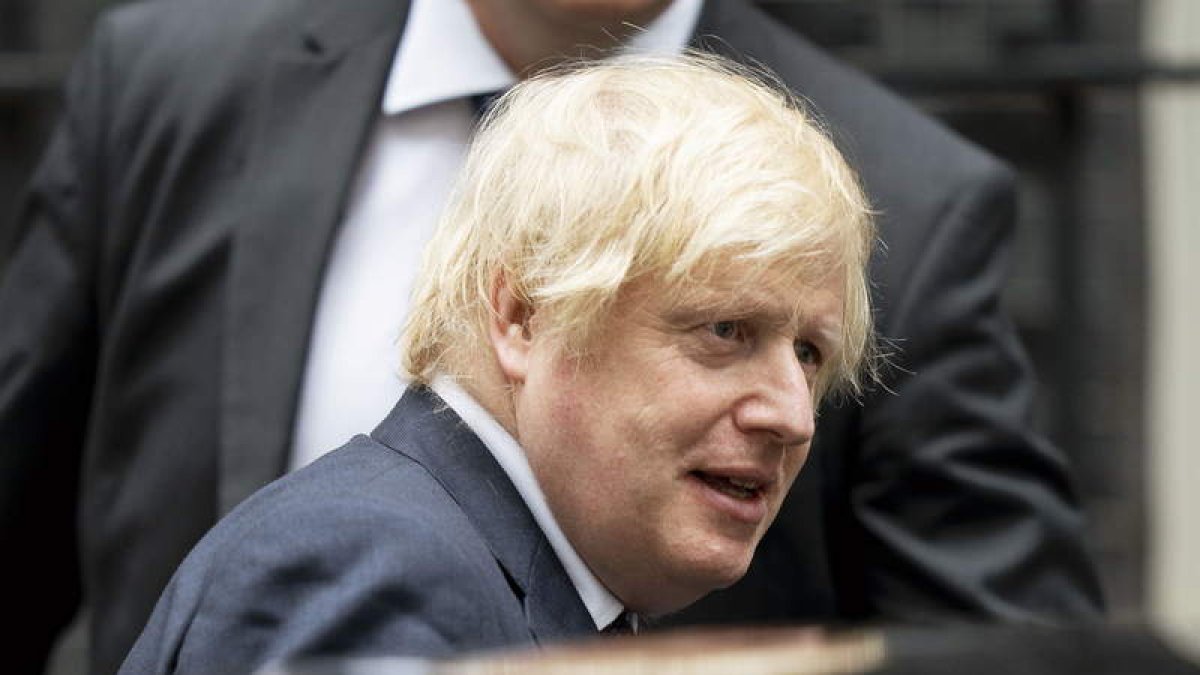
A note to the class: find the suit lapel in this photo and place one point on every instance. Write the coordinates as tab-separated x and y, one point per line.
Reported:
320	96
425	429
552	605
721	29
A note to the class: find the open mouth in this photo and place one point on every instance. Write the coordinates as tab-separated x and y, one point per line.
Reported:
738	488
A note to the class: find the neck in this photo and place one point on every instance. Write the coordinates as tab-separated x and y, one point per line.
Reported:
531	36
485	382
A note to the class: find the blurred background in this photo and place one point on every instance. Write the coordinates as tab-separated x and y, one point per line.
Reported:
1097	104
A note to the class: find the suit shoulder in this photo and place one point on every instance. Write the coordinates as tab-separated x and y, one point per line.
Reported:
885	136
185	55
189	24
362	501
361	553
361	482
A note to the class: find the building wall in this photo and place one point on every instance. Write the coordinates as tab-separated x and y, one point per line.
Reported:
1173	188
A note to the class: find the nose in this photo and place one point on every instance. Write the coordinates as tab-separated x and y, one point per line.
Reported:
779	402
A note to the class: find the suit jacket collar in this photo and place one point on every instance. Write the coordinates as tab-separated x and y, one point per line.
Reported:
425	429
722	28
316	101
342	27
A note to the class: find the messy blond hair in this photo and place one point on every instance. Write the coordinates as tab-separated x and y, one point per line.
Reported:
674	168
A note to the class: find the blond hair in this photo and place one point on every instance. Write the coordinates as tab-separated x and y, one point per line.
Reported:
589	176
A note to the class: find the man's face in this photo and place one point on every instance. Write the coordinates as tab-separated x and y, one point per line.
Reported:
665	453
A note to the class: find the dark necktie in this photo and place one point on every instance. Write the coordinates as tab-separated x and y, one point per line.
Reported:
622	625
481	103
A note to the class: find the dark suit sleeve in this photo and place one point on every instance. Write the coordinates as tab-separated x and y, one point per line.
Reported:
47	361
960	508
307	577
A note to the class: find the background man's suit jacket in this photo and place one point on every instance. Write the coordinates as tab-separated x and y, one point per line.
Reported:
159	302
409	542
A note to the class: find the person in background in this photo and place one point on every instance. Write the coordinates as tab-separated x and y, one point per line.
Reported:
216	247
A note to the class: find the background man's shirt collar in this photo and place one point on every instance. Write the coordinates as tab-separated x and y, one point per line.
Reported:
444	56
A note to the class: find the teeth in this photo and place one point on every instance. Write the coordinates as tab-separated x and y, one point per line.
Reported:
743	483
738	488
734	491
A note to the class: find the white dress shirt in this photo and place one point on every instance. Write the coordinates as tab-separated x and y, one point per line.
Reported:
352	377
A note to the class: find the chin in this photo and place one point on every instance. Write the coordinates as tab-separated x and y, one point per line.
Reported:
719	571
730	575
690	569
686	583
611	9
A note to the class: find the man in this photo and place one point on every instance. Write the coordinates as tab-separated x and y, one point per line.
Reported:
220	236
651	272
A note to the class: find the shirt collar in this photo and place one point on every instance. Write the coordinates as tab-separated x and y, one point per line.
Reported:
670	32
601	604
444	56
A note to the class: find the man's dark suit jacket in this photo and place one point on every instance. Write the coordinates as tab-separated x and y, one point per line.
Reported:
158	305
409	542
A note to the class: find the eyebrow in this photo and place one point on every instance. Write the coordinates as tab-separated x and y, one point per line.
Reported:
702	304
829	335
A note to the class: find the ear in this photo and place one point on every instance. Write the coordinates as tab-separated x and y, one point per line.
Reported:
509	331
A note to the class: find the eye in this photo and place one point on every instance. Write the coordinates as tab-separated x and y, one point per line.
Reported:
808	353
726	330
730	330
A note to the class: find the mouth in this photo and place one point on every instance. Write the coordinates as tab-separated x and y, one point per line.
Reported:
740	488
740	495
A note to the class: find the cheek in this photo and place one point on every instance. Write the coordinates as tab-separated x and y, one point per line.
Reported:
578	426
793	465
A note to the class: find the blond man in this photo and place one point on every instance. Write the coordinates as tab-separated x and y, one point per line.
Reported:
650	273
